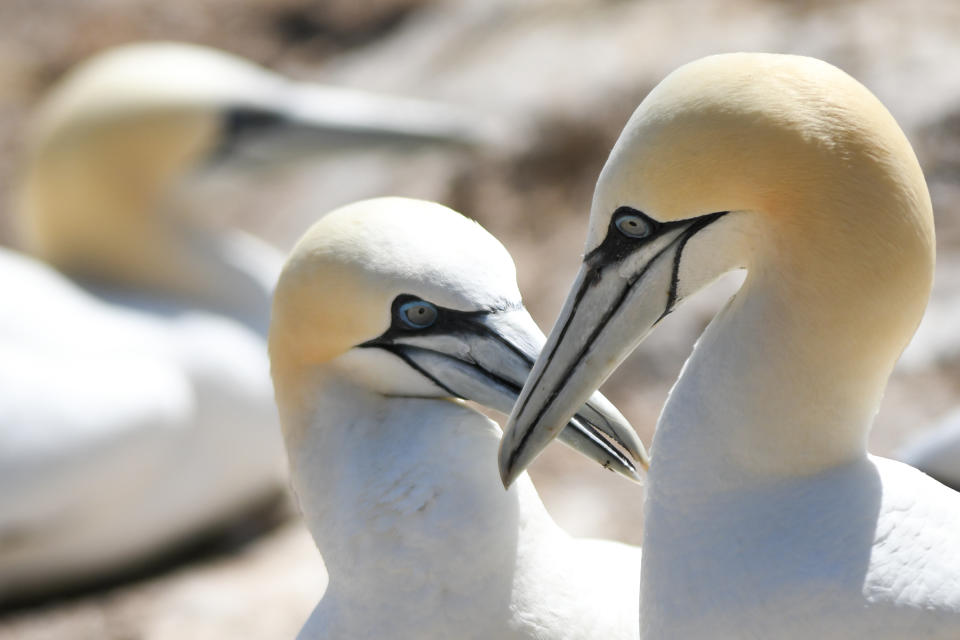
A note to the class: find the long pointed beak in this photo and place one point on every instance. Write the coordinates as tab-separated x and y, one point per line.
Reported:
359	115
621	292
303	120
486	359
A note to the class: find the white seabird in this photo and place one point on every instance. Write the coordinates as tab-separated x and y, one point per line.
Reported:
765	517
135	401
386	311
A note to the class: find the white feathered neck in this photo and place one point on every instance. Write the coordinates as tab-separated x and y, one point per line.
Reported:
402	497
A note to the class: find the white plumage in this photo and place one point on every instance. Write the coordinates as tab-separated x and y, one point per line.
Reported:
135	399
765	517
396	478
130	422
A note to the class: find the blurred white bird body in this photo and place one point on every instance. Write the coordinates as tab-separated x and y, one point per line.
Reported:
765	517
130	424
396	479
136	408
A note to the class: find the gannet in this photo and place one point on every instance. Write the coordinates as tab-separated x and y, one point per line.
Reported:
135	399
765	516
386	312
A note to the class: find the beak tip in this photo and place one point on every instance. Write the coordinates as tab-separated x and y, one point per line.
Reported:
509	470
507	476
636	477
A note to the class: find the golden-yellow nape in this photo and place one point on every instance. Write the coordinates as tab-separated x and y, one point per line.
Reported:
819	178
337	287
791	138
777	134
783	165
764	506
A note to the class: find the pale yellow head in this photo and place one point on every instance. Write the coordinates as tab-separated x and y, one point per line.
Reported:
109	143
337	287
782	165
807	150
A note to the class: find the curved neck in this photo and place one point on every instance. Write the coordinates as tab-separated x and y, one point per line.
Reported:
785	381
228	272
393	488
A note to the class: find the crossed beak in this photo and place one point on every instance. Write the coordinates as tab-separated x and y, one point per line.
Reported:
624	288
486	357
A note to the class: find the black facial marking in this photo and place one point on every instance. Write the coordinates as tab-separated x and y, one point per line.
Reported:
242	122
401	352
455	322
449	321
405	351
614	249
675	273
616	246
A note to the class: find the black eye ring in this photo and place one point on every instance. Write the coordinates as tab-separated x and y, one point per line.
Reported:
632	223
417	314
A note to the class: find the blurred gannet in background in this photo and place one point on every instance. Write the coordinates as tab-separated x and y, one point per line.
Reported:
135	398
765	516
386	311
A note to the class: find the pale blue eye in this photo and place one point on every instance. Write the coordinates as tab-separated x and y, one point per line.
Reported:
418	314
632	225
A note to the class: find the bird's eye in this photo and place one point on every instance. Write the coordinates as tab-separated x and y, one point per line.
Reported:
632	224
418	314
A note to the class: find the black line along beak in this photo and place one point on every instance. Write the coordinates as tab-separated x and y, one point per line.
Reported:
627	285
299	120
486	356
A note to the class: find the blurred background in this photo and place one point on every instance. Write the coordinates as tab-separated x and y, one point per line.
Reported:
562	76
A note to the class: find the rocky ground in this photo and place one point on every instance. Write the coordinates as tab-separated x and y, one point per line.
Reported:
562	76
